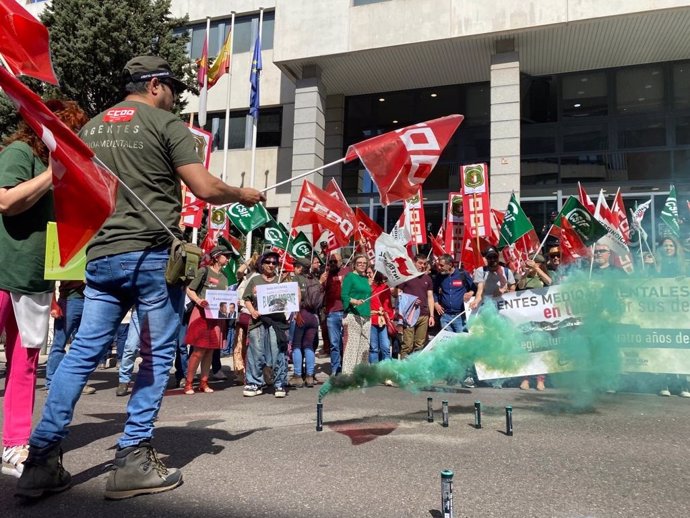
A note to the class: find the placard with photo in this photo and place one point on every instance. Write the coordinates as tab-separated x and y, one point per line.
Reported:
221	304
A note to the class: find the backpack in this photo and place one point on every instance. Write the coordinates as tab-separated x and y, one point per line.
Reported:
313	296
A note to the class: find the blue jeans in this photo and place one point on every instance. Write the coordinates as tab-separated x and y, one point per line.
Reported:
130	350
458	326
113	285
229	340
263	351
334	322
64	328
379	344
303	343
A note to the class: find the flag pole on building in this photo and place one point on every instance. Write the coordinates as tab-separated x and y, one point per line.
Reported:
203	77
254	103
226	136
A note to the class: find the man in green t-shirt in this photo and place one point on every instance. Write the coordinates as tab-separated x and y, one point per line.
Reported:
151	151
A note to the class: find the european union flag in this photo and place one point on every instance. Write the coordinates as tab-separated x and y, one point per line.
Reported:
254	80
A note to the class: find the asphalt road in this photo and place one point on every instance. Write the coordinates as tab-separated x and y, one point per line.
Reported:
378	456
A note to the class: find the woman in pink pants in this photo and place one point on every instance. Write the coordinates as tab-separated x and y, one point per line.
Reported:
26	206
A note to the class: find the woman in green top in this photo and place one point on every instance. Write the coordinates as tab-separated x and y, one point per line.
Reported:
26	206
355	295
205	334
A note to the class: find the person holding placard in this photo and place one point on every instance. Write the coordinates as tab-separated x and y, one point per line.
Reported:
205	334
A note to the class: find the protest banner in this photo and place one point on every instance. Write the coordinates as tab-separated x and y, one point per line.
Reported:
222	304
651	333
277	298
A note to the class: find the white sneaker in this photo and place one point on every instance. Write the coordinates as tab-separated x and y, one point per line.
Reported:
220	375
13	458
665	393
684	393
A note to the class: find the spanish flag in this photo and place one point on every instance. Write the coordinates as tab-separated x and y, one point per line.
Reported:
221	65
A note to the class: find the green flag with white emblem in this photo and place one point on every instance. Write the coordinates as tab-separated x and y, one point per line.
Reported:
669	214
585	225
276	234
247	219
300	247
515	224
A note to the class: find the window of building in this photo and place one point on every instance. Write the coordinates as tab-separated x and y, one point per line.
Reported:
640	133
245	27
268	132
681	85
584	95
538	99
640	89
585	137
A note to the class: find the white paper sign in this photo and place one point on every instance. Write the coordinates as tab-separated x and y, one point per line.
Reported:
221	304
277	298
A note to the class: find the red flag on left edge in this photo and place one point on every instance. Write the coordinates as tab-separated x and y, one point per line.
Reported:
83	191
24	42
399	161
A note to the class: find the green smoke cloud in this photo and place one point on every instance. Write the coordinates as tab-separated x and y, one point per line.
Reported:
588	351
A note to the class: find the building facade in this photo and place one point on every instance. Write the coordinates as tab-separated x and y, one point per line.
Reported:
553	92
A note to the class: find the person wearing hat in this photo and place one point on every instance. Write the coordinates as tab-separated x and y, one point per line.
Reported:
151	150
492	280
205	334
268	335
306	324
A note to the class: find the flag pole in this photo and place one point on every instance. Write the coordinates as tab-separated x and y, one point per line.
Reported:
203	95
226	136
195	231
254	133
287	247
302	175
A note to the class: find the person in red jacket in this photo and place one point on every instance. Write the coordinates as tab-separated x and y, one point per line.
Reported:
381	309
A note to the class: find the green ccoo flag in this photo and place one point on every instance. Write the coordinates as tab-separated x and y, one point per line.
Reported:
669	214
275	234
247	219
515	224
585	225
300	247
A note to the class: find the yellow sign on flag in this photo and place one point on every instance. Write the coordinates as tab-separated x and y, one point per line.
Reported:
73	271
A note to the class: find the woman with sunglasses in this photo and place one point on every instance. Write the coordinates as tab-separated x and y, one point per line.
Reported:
26	206
355	295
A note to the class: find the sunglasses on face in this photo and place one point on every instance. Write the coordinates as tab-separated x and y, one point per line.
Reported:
599	252
270	262
555	256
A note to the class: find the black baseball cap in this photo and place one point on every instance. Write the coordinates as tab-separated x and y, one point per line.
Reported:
145	68
490	251
220	250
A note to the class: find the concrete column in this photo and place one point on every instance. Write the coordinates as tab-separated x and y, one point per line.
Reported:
308	141
335	123
504	169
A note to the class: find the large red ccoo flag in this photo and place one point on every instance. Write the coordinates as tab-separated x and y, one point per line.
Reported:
24	42
84	192
316	206
399	161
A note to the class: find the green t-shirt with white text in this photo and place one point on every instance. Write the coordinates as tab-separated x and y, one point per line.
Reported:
143	146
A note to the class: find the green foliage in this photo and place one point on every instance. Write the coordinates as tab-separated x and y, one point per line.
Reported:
91	42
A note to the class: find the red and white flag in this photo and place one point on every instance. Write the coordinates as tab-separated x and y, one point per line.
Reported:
437	243
572	247
585	199
24	42
192	209
333	243
84	192
614	238
399	161
316	206
393	262
471	256
620	217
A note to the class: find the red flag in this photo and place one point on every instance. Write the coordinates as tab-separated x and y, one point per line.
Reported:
572	247
192	209
618	211
399	161
84	191
436	246
471	256
333	190
367	228
317	206
497	218
585	199
24	42
287	263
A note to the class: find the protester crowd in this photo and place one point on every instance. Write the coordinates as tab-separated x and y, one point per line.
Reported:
345	310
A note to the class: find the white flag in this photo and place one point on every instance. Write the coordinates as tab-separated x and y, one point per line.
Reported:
393	262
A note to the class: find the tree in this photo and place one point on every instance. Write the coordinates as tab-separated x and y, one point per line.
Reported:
91	42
